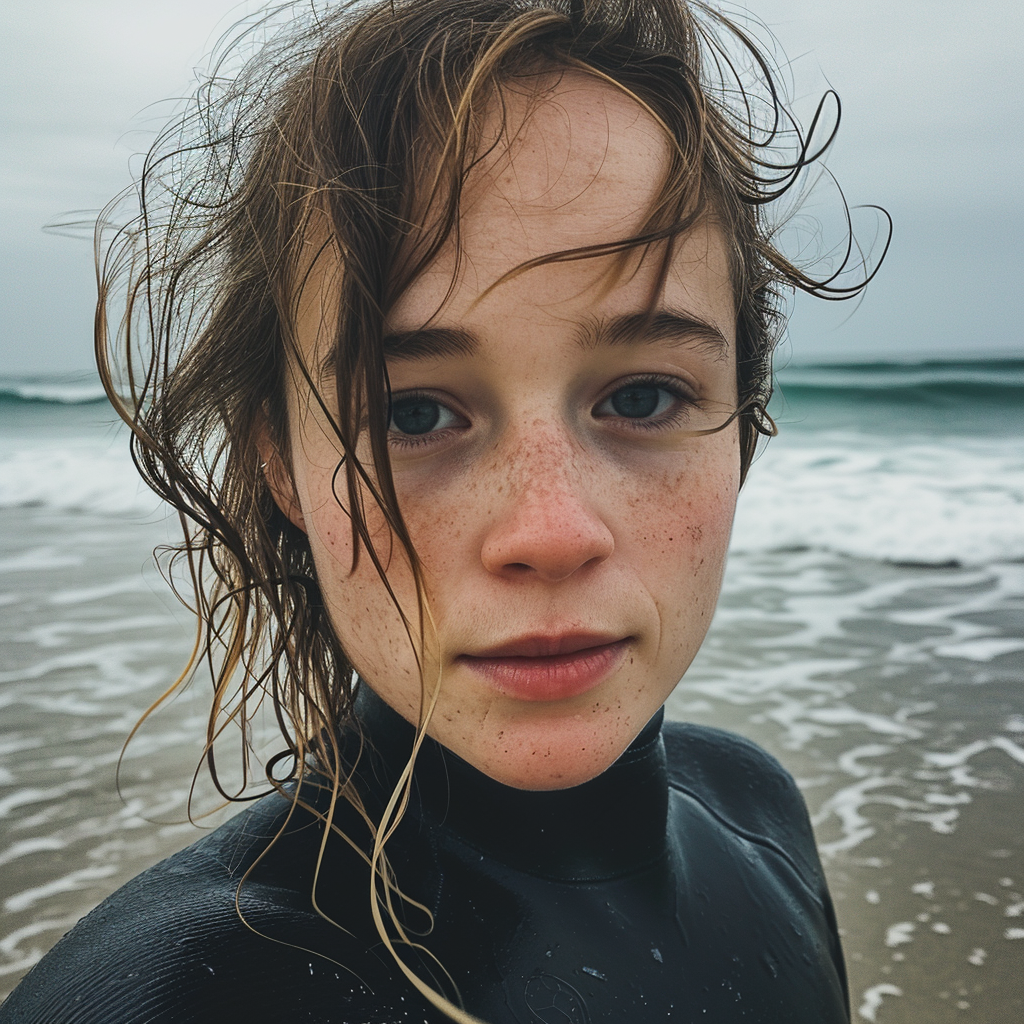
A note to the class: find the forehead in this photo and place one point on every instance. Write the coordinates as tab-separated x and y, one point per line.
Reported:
569	162
571	159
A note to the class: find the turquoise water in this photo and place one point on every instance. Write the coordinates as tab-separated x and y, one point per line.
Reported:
937	398
870	634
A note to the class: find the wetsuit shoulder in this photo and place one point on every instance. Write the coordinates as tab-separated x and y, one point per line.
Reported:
170	946
736	798
747	790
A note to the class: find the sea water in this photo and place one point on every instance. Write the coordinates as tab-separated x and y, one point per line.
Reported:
870	635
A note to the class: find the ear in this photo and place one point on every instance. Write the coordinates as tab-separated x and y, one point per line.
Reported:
279	478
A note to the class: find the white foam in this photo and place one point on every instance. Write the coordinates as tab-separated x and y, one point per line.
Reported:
961	500
30	847
39	559
983	649
898	934
74	475
965	753
73	881
62	392
14	959
87	595
872	999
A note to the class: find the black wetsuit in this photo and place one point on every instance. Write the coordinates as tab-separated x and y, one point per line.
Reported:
681	885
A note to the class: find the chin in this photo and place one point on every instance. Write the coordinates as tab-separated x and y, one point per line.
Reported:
545	753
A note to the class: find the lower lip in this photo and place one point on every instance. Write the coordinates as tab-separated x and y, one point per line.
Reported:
557	677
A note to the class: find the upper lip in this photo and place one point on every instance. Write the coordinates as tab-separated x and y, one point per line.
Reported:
546	645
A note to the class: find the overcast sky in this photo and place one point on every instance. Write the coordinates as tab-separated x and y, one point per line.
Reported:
932	130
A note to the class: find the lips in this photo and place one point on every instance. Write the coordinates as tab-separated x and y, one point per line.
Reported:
550	666
546	646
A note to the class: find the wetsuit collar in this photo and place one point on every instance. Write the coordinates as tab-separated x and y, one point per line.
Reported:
610	826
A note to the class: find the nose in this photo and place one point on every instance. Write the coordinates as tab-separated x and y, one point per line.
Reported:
548	525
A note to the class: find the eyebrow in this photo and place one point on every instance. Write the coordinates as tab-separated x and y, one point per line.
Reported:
640	328
430	342
652	327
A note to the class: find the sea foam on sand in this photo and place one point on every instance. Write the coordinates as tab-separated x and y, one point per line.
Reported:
920	501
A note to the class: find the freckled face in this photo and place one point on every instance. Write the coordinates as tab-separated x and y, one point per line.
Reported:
571	528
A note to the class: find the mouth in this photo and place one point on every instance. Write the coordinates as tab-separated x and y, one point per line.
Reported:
549	667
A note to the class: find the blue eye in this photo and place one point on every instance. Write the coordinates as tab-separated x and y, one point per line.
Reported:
415	415
637	400
640	400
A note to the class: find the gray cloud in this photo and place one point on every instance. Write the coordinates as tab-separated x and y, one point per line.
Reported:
931	116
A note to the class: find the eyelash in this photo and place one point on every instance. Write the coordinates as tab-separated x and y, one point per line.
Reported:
682	396
407	441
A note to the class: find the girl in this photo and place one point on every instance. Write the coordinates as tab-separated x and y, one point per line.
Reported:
447	327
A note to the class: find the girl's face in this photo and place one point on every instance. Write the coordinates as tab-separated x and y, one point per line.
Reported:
572	530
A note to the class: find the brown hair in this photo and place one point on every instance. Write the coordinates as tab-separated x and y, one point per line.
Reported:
356	127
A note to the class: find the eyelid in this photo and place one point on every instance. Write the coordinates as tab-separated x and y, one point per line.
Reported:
676	385
685	401
442	399
401	440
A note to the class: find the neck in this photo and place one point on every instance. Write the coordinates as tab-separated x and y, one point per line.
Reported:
607	827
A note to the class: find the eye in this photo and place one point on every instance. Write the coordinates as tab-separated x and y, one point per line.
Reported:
414	416
645	398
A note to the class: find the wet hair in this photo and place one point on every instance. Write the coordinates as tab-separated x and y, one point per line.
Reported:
351	130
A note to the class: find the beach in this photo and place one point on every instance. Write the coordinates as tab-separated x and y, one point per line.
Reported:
870	635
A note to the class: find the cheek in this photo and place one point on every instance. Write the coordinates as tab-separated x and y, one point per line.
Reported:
447	515
679	532
688	507
362	612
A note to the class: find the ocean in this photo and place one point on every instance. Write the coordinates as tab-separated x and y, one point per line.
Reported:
870	635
